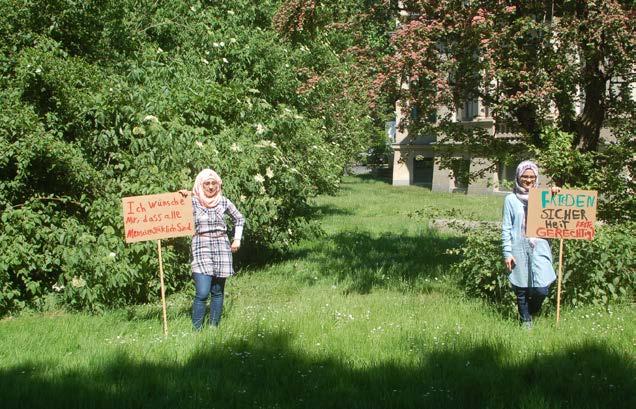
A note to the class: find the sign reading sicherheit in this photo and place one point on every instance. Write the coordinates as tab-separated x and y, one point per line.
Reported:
569	214
155	217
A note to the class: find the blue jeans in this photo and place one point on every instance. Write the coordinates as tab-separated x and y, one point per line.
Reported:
204	285
529	300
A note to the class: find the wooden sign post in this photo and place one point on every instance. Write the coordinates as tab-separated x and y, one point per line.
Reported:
156	217
567	215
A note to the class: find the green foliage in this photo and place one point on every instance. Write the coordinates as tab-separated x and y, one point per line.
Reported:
481	270
539	70
610	171
103	100
600	271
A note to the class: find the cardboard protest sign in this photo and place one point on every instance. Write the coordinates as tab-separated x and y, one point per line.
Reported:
569	214
155	217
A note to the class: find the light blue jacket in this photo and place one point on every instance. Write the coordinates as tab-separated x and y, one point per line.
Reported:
533	266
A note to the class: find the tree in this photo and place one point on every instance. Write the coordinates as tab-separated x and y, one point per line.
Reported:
541	67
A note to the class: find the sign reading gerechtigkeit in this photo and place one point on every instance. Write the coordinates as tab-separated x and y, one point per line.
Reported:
155	217
569	214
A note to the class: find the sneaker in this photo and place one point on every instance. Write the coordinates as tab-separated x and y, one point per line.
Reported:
527	325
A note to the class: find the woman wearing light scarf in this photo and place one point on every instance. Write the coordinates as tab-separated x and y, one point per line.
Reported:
211	248
529	260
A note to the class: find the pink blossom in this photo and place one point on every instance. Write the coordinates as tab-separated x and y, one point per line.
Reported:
478	20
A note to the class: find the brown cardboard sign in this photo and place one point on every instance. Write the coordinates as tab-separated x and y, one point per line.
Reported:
568	215
155	217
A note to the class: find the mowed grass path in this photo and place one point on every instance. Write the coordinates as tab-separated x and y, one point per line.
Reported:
366	316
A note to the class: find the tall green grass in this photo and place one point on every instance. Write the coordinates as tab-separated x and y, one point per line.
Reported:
365	316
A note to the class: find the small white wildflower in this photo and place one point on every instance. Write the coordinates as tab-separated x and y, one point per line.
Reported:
242	198
159	50
235	148
222	44
259	178
232	40
269	172
225	60
58	287
199	144
215	44
151	118
260	129
112	255
78	282
230	12
138	131
38	70
204	61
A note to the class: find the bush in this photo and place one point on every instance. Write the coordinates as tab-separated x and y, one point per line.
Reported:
600	272
121	99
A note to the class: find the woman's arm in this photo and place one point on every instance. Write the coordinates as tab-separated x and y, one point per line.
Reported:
506	235
239	222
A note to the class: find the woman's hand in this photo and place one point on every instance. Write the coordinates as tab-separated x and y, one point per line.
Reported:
510	263
185	192
236	245
555	190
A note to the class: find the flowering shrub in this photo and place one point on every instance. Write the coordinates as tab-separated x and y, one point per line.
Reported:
128	100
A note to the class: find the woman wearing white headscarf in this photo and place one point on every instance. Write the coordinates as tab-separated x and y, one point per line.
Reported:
211	248
529	260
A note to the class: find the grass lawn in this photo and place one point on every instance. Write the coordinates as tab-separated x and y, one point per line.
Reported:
365	316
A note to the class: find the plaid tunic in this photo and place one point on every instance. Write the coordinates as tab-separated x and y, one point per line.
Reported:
211	254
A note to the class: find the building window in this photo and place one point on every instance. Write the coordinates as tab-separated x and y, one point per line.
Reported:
423	171
461	174
506	176
468	111
390	130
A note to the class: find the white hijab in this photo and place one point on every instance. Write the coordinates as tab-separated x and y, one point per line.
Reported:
520	191
204	176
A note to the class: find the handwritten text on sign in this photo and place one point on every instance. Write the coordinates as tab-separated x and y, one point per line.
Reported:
569	214
155	217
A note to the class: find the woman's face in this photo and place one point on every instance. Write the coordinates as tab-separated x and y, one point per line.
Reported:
527	179
210	187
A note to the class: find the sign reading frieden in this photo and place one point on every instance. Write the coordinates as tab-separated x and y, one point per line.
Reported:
569	214
155	217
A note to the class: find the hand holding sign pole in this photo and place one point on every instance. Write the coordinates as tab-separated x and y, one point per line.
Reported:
156	217
567	215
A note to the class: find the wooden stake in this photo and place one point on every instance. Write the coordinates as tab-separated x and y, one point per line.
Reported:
163	290
559	280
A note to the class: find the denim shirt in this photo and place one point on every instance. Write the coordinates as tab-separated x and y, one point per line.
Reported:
533	259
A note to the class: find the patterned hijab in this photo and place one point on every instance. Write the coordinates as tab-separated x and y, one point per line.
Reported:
520	191
204	176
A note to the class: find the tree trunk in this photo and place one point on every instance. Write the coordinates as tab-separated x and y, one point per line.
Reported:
590	121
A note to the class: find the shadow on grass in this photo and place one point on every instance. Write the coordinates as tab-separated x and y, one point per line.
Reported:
269	373
330	210
364	261
381	176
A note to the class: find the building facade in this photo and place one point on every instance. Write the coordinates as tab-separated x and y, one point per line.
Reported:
414	159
